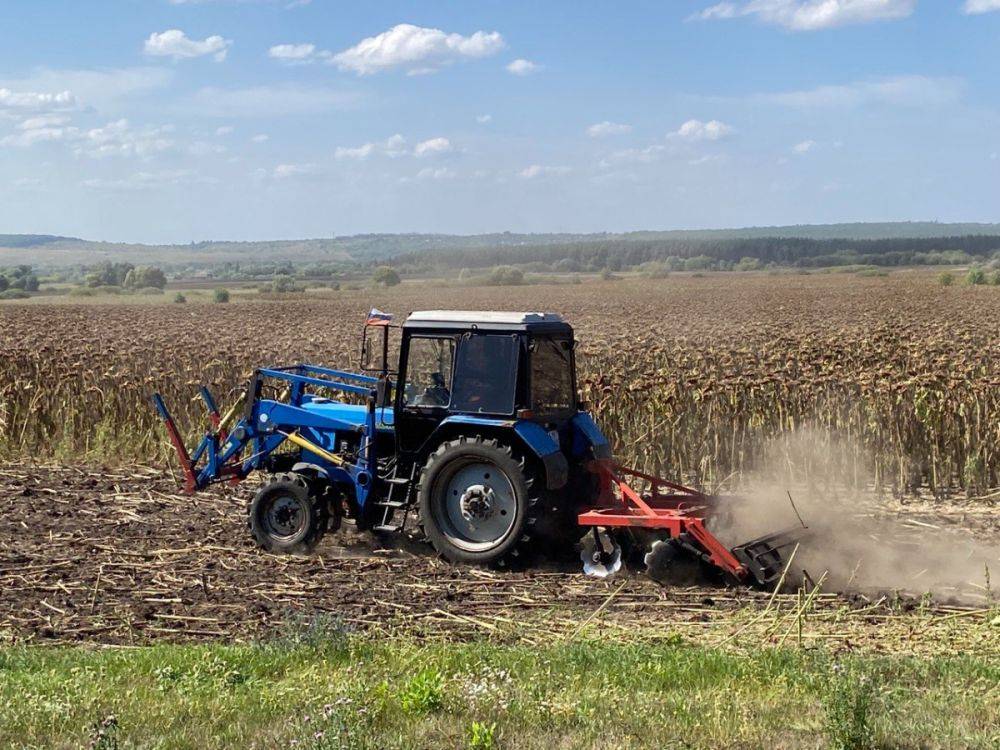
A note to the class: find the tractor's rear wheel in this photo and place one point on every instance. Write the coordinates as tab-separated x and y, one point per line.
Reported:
476	502
287	516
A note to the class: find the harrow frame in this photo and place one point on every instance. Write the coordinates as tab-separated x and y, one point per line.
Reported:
681	512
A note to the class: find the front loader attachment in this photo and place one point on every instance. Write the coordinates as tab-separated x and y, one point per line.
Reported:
675	517
205	460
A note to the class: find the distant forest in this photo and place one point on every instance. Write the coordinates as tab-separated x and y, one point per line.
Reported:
32	240
619	253
876	244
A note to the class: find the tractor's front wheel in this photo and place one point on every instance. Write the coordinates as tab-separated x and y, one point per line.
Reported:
287	516
476	502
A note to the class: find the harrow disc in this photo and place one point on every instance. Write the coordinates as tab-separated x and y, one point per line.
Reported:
601	556
667	562
661	554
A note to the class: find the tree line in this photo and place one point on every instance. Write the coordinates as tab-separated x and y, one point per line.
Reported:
781	251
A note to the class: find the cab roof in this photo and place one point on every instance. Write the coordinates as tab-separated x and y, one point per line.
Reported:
486	319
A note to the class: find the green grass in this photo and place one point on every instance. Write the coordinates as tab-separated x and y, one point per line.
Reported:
335	691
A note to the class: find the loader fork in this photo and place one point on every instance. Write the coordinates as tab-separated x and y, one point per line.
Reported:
187	466
208	448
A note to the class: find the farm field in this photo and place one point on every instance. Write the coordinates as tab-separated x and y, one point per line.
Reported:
365	646
883	381
876	397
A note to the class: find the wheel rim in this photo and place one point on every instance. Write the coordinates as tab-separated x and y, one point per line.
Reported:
284	516
476	507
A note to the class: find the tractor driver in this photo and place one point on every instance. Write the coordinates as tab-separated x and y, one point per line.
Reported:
436	394
429	372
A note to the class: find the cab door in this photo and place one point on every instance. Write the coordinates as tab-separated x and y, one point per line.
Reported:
424	390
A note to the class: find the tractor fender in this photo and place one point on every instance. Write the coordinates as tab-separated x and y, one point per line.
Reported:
529	436
587	436
547	450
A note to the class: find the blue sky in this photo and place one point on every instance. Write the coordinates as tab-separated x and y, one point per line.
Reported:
180	120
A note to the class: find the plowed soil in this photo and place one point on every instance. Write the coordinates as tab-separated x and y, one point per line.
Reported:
120	557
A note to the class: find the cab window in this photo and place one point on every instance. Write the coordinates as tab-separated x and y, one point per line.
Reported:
551	376
428	372
486	374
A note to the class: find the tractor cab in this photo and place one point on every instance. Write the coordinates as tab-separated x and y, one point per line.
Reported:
491	368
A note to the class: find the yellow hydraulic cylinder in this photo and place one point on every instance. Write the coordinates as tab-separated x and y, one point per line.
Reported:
310	446
229	414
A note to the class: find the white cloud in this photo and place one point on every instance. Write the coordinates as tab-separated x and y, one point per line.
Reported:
45	121
717	12
116	138
646	155
299	54
286	100
440	173
224	130
975	7
176	44
41	134
260	138
33	101
521	67
292	52
119	138
102	90
483	119
287	171
804	147
696	130
357	152
432	146
812	15
537	170
909	91
415	48
393	146
201	148
602	129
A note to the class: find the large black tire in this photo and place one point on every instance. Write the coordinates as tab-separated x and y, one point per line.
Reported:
498	496
287	516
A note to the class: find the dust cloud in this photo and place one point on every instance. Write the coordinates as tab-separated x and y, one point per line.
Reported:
860	541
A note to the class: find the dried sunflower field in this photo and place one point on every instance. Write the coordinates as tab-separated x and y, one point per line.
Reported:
884	381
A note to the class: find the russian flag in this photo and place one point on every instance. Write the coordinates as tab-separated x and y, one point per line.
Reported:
378	318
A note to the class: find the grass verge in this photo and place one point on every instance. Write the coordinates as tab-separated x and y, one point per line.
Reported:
331	690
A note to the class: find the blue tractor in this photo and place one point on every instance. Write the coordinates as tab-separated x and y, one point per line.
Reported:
478	434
